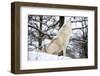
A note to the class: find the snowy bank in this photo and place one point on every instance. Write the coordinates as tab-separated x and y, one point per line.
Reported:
33	55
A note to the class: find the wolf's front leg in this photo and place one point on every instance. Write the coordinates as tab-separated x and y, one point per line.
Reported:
64	51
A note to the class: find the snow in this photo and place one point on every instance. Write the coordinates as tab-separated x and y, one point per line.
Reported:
40	56
46	42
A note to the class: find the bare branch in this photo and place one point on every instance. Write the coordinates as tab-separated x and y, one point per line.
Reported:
79	28
78	21
44	33
73	39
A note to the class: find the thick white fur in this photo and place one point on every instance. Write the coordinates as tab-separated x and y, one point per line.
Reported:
61	41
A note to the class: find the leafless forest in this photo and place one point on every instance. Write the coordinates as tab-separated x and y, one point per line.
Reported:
42	29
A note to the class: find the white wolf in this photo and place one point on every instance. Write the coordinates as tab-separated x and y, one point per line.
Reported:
61	41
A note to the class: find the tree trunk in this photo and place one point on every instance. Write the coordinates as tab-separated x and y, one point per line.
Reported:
84	45
40	34
61	21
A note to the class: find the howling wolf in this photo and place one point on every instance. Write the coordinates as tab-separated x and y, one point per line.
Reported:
61	40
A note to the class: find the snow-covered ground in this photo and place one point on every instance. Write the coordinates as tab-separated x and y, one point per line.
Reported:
40	56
